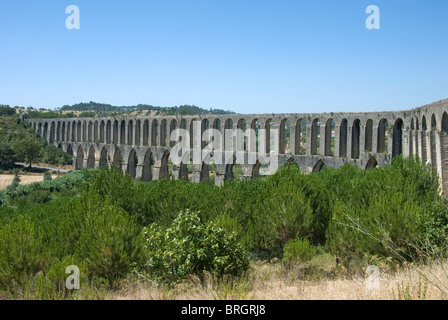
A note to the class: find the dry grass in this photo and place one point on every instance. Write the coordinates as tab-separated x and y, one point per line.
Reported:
273	282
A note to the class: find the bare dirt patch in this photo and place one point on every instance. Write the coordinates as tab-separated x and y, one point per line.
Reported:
6	179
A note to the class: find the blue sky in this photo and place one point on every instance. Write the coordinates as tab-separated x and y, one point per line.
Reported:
249	56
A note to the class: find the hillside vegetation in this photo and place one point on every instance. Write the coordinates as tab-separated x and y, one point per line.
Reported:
115	228
19	142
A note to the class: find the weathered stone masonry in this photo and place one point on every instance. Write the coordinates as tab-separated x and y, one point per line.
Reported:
141	145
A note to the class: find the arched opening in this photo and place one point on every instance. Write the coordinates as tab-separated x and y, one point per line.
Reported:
356	134
74	129
205	125
69	131
103	158
164	167
411	138
79	158
102	131
138	125
284	136
122	132
130	132
132	164
397	138
229	175
115	133
70	150
330	126
84	131
148	163
109	132
78	132
45	134
163	129
58	131
444	151
52	132
315	136
228	139
382	136
256	170
300	138
372	163
254	136
368	136
173	127
118	160
423	139
154	133
90	131
432	138
63	132
39	129
416	137
95	132
91	158
145	132
319	166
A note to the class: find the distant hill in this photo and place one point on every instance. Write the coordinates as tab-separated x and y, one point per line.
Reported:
104	108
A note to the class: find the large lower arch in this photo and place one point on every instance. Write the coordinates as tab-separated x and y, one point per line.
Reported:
79	158
117	158
148	163
320	164
164	167
103	158
372	163
91	158
132	164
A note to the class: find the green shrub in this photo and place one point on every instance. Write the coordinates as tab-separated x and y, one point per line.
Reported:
51	284
38	196
47	176
298	251
109	242
22	254
191	247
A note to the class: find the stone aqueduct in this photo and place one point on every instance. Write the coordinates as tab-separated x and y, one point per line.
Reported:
141	145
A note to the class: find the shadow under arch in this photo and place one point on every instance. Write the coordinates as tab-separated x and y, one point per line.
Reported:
79	158
319	166
148	162
103	158
132	164
372	163
91	158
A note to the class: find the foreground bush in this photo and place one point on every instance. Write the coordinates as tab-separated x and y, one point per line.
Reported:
190	247
298	251
110	243
22	254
